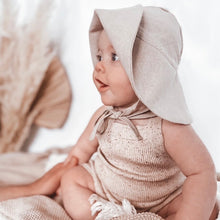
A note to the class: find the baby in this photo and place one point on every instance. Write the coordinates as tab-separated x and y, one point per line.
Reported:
147	151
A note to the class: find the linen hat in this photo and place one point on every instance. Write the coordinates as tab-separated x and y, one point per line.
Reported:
148	41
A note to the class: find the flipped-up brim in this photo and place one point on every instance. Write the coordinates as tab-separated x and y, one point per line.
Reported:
152	73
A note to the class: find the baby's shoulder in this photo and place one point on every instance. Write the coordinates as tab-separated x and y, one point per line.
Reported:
186	148
98	112
174	130
176	134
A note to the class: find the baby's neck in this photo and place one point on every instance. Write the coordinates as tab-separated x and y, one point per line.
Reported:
122	108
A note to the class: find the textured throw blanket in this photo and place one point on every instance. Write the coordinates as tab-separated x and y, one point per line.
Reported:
32	208
21	168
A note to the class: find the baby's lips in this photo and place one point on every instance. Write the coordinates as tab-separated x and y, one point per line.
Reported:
102	84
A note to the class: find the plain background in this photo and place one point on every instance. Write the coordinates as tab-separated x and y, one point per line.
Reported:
199	70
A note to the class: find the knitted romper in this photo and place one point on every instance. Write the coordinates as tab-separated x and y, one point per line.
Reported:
140	171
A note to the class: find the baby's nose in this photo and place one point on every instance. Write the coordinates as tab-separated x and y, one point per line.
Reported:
100	67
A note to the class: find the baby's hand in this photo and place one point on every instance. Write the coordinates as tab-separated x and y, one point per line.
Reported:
70	157
50	181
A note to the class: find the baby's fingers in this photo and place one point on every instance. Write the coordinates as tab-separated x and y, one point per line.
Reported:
68	159
72	161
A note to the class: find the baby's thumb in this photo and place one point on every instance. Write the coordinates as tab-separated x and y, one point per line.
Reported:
67	160
71	160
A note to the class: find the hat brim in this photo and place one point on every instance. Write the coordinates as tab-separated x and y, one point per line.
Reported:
161	91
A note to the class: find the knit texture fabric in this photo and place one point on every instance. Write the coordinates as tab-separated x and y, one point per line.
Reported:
140	171
140	216
32	208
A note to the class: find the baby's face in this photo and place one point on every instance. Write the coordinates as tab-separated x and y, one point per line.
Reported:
110	77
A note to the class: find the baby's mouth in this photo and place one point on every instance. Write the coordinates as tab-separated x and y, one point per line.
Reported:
101	86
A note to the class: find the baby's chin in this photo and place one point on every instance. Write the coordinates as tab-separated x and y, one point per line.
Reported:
107	102
117	104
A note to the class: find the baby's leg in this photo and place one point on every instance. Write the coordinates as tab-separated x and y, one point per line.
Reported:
169	211
76	188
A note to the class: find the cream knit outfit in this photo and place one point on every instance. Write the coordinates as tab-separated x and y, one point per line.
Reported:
140	171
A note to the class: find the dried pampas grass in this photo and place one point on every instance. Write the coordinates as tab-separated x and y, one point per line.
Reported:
25	55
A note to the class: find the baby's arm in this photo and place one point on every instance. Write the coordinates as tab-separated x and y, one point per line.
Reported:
77	184
84	148
194	160
46	185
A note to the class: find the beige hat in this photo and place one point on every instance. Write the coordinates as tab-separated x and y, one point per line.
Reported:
148	41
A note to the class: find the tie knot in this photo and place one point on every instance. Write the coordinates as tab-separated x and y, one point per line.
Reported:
136	111
116	114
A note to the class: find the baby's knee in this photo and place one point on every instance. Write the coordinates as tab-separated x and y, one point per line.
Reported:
70	176
68	183
77	176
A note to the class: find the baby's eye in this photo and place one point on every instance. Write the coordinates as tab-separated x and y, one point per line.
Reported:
115	57
99	57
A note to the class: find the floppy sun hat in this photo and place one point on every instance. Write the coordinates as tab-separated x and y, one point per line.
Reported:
148	41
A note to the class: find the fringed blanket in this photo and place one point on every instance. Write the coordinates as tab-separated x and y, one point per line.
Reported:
32	208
